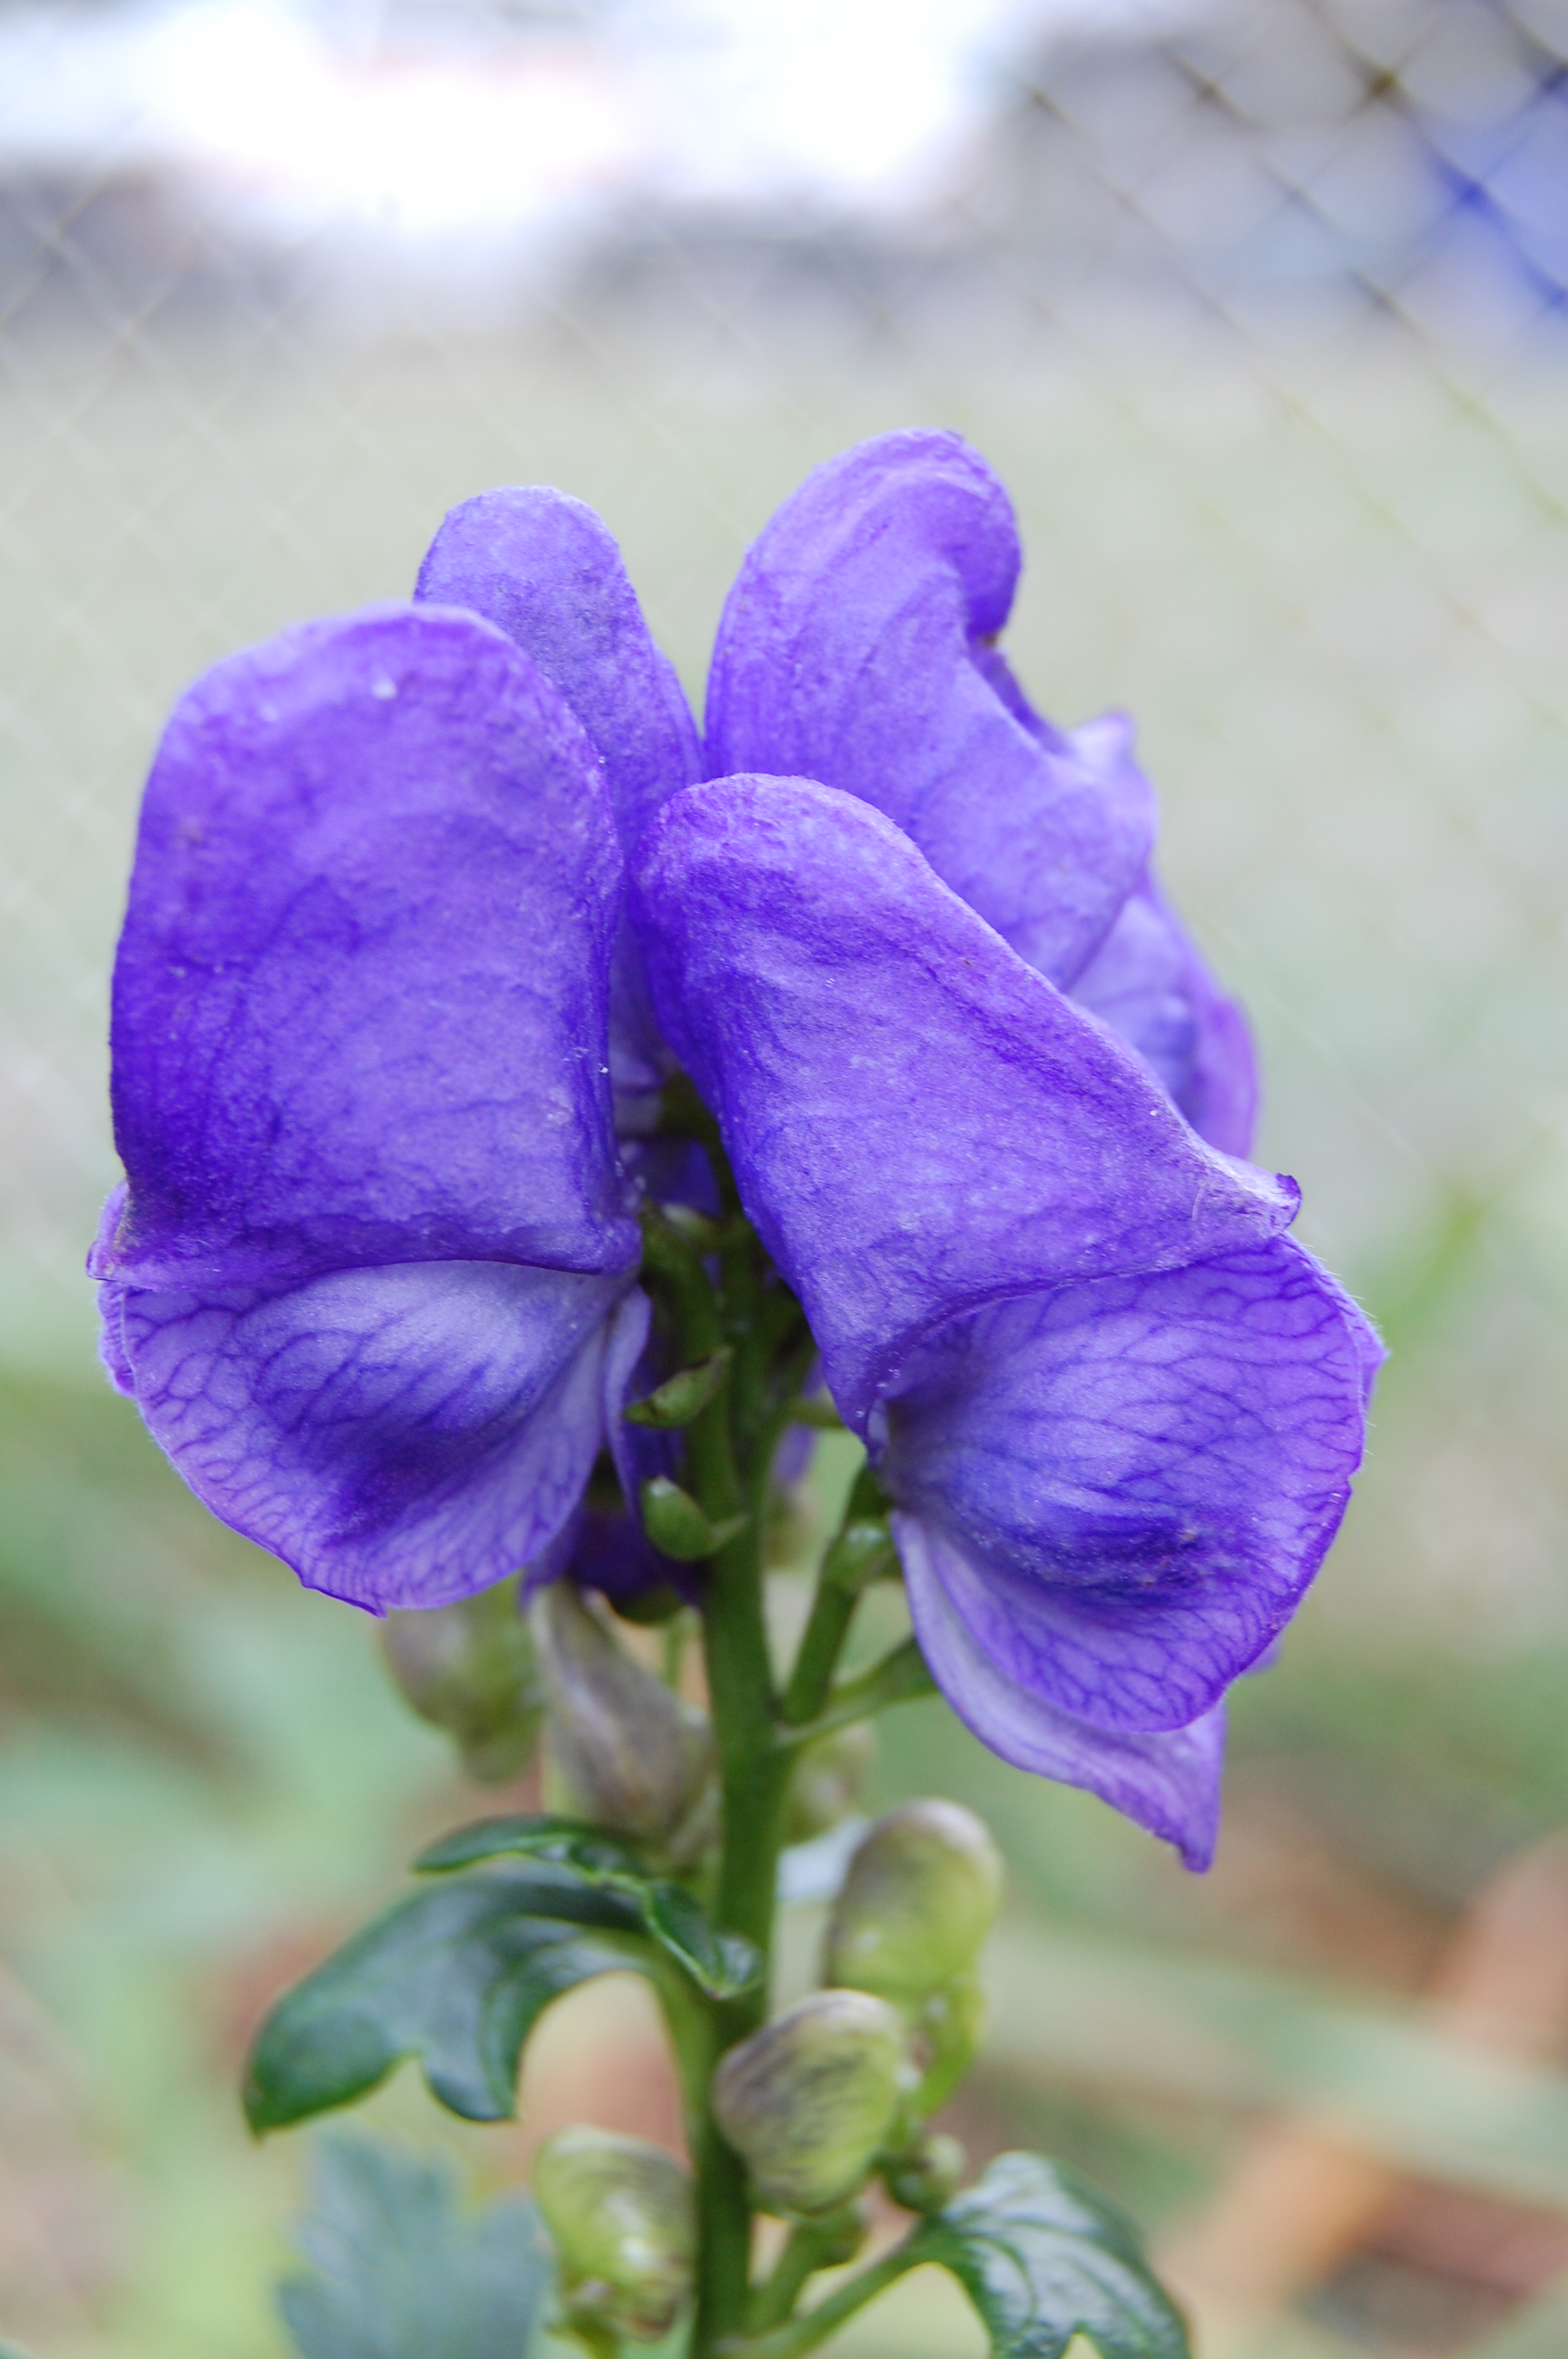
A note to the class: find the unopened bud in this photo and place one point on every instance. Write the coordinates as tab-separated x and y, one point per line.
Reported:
928	2175
634	1758
683	1397
472	1670
920	1897
828	1781
622	2218
675	1523
808	2100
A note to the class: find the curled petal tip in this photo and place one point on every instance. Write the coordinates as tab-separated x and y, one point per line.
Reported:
856	647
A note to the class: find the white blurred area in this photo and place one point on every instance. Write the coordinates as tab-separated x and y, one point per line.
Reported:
424	126
466	162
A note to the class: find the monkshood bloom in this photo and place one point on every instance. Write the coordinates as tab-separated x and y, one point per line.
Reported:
431	902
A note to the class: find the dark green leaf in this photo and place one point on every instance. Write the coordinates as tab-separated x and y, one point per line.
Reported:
457	1976
398	2272
722	1964
1043	2259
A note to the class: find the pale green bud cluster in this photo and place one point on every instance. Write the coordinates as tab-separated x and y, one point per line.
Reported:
920	1898
622	2216
841	2084
473	1669
628	1753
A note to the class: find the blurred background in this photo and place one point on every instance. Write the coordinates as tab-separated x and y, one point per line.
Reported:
1260	307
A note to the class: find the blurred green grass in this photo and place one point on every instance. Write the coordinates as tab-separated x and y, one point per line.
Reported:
1328	582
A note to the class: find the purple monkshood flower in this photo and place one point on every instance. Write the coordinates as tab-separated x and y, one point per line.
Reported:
429	902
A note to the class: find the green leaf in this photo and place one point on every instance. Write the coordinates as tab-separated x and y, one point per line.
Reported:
721	1964
398	2272
457	1976
1043	2259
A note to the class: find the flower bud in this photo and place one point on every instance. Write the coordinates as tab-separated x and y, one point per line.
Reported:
633	1759
623	2221
920	1897
924	2178
809	2100
472	1670
675	1523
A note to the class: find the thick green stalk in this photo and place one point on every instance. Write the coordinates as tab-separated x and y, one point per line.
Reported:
730	1450
753	1777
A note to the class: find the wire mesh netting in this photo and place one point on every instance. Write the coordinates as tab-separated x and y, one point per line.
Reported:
1258	308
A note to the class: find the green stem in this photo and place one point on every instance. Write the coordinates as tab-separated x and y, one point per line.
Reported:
859	1553
752	1776
801	2334
899	1678
813	2244
729	1449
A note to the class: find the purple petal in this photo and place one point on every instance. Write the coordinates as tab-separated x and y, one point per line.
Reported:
1167	1780
1134	1481
918	1122
638	1451
855	648
401	1436
1149	982
112	1338
547	571
360	1001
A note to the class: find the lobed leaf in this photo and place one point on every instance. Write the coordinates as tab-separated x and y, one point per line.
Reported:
398	2272
1043	2259
721	1964
457	1976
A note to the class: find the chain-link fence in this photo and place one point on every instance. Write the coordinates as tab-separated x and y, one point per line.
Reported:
1258	308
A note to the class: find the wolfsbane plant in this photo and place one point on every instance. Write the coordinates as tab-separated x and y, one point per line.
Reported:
536	1120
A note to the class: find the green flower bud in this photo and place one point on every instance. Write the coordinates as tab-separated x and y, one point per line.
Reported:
809	2100
947	2032
472	1670
928	2175
683	1398
827	1780
921	1896
675	1523
624	2224
632	1756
